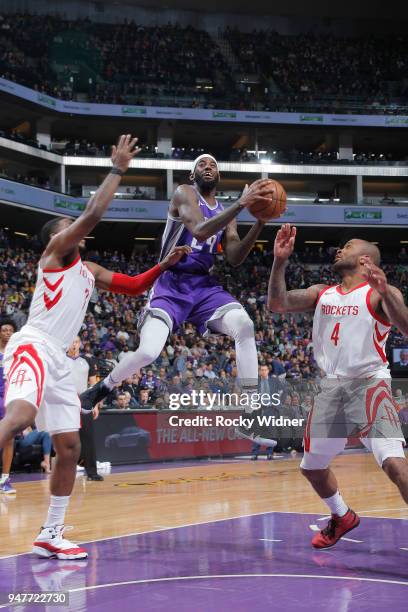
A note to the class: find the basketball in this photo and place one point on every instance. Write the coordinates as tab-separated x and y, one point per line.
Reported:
264	211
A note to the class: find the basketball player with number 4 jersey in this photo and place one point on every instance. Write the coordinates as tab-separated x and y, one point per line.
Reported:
351	324
39	384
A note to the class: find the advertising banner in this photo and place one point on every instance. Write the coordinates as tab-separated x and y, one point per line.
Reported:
197	114
133	437
156	210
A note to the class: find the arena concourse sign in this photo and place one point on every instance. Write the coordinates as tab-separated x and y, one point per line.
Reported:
44	200
197	114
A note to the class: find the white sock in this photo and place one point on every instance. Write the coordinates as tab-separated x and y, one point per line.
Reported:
4	477
336	504
56	511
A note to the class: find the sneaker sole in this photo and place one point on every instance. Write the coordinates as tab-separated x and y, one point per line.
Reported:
342	536
48	554
257	439
239	434
13	492
265	442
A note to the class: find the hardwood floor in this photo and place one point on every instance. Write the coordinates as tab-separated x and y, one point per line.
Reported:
153	499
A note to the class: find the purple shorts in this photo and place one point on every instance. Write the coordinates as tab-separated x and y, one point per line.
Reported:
2	411
178	297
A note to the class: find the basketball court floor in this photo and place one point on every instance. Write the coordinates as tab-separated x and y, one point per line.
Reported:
213	535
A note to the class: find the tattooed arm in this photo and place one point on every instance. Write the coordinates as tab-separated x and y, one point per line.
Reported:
279	298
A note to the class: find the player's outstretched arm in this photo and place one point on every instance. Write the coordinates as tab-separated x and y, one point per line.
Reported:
279	298
235	249
135	285
185	200
390	299
68	239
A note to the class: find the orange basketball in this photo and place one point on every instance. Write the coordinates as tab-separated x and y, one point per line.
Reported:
264	211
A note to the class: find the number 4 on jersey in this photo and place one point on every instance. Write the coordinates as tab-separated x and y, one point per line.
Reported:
335	334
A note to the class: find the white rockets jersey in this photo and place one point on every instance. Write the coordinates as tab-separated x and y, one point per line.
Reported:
348	336
60	301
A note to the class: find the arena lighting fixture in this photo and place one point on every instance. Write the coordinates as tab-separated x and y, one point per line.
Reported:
314	241
89	237
139	238
309	199
118	193
21	234
262	240
401	241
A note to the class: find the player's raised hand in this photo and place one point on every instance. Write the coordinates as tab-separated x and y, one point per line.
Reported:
124	152
374	275
258	191
174	256
284	242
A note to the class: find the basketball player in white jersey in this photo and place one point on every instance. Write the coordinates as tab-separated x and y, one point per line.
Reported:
39	381
7	329
350	328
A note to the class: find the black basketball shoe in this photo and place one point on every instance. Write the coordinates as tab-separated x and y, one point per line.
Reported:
93	396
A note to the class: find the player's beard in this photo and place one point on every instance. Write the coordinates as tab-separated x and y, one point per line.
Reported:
205	185
344	265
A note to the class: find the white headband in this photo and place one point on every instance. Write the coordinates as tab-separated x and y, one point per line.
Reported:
200	157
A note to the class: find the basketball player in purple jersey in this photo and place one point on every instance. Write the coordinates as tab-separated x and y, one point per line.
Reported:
188	292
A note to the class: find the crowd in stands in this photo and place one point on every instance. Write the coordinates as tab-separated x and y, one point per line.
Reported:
172	65
36	180
321	155
19	136
321	63
188	361
120	58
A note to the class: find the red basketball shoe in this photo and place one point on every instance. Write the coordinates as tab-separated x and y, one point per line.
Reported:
336	528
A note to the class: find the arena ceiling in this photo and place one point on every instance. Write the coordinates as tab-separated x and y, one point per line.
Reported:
368	9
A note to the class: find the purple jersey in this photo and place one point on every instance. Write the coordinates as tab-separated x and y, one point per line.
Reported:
187	292
176	234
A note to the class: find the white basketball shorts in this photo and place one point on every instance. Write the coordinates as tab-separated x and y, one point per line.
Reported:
37	371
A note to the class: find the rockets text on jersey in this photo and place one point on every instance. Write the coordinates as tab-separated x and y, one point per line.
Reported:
348	335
